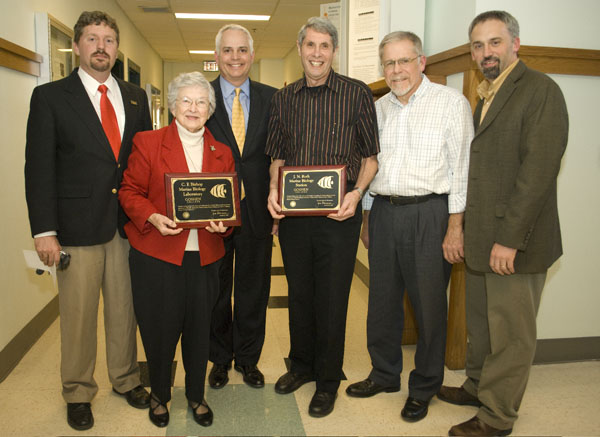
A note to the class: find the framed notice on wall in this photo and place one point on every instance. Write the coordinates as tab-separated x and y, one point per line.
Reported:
363	40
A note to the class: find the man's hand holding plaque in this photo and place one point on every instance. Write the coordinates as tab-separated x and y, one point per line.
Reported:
194	200
311	190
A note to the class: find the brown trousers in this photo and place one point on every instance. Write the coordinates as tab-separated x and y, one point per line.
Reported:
501	340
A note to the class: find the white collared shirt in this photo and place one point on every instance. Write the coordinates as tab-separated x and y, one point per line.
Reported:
424	145
114	95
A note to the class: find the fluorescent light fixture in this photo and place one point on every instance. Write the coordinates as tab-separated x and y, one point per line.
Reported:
65	50
230	17
202	52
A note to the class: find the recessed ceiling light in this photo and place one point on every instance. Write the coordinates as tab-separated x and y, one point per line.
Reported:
201	52
231	17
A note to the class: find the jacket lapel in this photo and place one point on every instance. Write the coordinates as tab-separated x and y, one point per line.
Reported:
503	95
173	156
131	105
255	115
212	158
222	118
79	100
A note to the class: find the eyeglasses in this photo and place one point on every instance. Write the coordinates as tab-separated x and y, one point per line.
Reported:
186	102
402	62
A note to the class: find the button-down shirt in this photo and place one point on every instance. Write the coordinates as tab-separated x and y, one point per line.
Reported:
114	95
228	91
487	90
424	145
331	124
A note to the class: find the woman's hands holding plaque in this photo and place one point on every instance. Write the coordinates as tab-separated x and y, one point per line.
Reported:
216	228
164	224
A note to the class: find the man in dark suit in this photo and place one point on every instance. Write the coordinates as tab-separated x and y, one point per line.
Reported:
241	121
512	232
79	136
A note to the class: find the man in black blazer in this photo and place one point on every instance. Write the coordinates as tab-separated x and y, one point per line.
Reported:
72	176
241	335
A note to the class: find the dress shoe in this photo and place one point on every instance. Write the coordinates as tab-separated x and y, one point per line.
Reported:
202	419
218	377
159	419
414	409
79	415
290	382
252	376
321	403
368	388
137	397
457	396
476	427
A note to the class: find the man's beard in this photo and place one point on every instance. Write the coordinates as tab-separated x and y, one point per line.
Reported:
491	73
100	66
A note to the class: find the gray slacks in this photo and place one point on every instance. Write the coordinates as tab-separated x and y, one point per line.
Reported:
405	252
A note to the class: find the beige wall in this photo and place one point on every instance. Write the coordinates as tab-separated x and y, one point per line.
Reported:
23	294
292	68
271	72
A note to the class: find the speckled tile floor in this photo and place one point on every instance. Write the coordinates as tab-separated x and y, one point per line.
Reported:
561	399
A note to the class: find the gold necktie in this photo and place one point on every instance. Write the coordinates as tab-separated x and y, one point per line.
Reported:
237	121
239	128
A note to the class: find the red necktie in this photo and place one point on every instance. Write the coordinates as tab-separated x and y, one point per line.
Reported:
109	121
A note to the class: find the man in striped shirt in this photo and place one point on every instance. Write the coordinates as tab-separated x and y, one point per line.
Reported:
415	227
322	119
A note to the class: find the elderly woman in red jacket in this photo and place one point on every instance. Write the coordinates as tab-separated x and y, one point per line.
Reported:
174	272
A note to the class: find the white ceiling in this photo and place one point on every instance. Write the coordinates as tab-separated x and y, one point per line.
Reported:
172	38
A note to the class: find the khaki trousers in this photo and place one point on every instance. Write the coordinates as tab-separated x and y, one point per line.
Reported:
501	340
93	268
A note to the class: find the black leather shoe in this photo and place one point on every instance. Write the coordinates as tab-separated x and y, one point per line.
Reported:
218	377
368	388
290	382
202	419
137	397
414	409
252	376
79	415
162	419
321	404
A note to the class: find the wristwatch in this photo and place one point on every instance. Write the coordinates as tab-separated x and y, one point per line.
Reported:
360	191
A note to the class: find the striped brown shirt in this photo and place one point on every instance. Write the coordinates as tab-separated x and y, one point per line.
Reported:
331	124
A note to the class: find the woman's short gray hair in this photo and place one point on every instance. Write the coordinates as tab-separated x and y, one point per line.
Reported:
193	78
321	25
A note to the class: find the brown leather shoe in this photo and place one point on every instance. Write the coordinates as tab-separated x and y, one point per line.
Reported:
457	396
476	427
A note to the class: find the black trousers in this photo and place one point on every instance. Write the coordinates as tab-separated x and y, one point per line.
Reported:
241	334
405	252
172	301
318	256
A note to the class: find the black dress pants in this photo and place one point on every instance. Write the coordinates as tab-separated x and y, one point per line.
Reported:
241	334
319	256
172	301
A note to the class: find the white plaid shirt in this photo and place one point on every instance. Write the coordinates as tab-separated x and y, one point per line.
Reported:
424	145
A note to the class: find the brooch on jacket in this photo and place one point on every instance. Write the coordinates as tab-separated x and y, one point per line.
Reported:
212	148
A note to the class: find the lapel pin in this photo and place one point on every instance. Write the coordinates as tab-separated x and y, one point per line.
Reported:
212	148
133	102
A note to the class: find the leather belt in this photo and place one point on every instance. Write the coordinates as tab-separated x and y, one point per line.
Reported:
409	200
